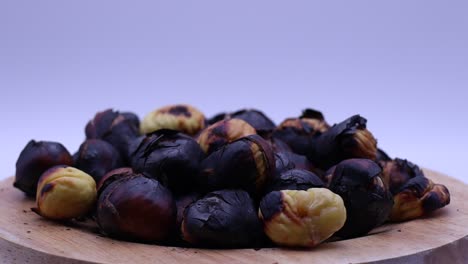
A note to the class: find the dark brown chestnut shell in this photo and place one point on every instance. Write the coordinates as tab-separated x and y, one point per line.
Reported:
35	159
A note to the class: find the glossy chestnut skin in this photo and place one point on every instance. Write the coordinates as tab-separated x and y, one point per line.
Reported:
136	208
257	119
346	140
222	133
35	159
117	129
367	199
168	156
301	133
295	179
288	160
222	219
97	157
112	176
247	163
131	118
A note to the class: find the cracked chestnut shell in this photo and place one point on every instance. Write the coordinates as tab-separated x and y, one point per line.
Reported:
97	157
112	176
382	156
295	179
257	119
247	163
222	133
170	157
301	133
180	117
65	192
299	218
222	219
118	129
346	140
367	198
136	208
289	160
414	194
35	159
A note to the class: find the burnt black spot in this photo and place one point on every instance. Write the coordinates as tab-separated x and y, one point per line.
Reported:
180	110
271	205
47	188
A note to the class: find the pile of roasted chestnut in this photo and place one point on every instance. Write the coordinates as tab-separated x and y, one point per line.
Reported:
236	180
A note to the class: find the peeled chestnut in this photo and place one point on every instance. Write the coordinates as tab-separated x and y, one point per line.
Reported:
346	140
116	128
298	218
64	193
169	156
247	163
136	208
112	176
35	159
366	197
97	157
300	133
222	219
223	132
295	179
414	194
257	119
180	117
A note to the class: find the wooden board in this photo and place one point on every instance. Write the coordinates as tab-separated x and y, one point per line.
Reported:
27	238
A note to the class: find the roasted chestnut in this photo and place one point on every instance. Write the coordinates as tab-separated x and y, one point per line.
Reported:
116	128
382	156
169	156
136	208
64	193
131	118
97	157
295	179
366	197
288	160
300	133
301	218
223	132
247	163
414	194
222	219
346	140
112	176
218	117
35	159
184	118
257	119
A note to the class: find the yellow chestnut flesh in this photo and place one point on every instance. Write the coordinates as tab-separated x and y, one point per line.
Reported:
184	118
301	218
65	192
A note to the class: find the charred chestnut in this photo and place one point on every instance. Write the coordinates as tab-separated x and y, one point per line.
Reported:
97	157
295	179
288	160
247	163
35	159
169	156
64	193
257	119
116	128
300	133
367	199
225	218
218	117
414	194
112	176
223	132
382	156
184	118
132	118
301	218
136	208
346	140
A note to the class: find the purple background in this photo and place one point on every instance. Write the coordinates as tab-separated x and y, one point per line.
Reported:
401	64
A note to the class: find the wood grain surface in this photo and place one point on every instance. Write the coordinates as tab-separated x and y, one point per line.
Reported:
27	238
